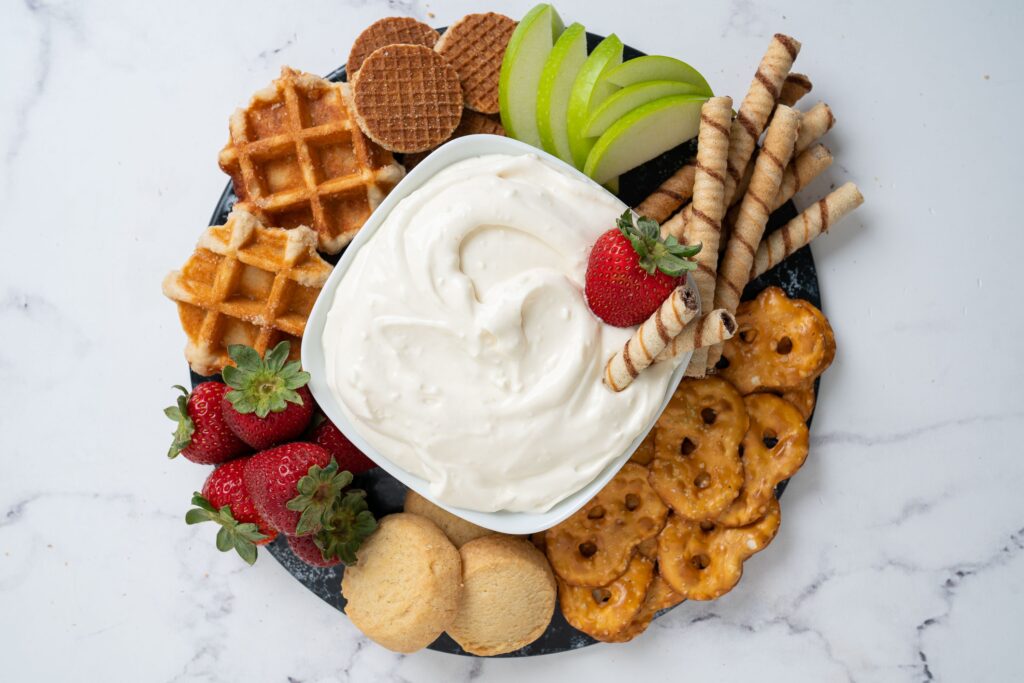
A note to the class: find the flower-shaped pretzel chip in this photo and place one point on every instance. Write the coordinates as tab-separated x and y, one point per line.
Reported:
659	596
603	612
773	449
781	344
697	468
704	560
644	453
593	547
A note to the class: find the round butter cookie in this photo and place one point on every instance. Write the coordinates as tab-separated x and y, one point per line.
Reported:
406	587
508	595
458	530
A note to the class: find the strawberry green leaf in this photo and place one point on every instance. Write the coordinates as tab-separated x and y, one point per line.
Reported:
185	429
231	535
351	522
263	386
319	491
648	228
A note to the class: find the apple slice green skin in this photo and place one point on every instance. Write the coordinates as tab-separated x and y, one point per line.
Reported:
556	80
657	68
643	134
586	93
527	51
629	98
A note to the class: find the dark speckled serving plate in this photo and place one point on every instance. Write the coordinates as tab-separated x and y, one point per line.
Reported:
796	275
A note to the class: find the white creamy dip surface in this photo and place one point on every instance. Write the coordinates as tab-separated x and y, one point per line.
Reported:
460	346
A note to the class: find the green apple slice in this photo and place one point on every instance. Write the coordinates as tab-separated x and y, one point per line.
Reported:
657	68
588	90
643	134
560	70
629	98
527	51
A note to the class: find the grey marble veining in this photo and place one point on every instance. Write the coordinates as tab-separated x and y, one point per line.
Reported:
900	554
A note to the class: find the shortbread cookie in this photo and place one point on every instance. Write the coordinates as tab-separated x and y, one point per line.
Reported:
406	587
508	595
458	530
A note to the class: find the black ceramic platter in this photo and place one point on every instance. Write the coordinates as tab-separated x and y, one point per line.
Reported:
796	275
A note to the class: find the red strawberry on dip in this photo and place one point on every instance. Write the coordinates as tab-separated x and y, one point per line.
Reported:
632	270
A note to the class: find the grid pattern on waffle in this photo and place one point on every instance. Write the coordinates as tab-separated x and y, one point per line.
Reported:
388	31
296	158
475	47
246	284
407	98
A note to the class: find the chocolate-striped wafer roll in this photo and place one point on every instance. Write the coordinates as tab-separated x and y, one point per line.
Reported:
799	232
758	104
756	108
709	329
794	88
708	204
801	171
651	338
670	195
756	207
814	123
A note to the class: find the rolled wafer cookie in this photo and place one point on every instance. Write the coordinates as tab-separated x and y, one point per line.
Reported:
651	338
814	123
758	104
801	171
670	195
801	230
713	328
756	207
755	110
794	88
709	203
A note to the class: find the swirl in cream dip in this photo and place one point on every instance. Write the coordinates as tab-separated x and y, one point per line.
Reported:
460	346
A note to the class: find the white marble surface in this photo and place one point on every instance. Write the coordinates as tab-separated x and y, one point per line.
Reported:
900	557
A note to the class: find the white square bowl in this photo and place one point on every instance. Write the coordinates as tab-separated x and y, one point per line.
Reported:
314	362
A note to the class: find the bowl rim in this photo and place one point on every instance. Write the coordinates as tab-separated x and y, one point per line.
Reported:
314	357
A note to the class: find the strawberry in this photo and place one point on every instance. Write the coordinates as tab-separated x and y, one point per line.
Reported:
269	402
272	477
298	490
344	451
226	501
348	523
306	549
631	271
203	435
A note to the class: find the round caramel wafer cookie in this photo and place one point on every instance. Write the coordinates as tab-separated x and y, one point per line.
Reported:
388	31
475	47
406	98
472	123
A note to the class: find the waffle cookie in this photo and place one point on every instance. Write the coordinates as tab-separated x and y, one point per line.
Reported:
407	98
475	47
246	284
388	31
296	157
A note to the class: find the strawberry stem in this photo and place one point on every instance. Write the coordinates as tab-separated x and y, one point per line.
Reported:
666	255
263	385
